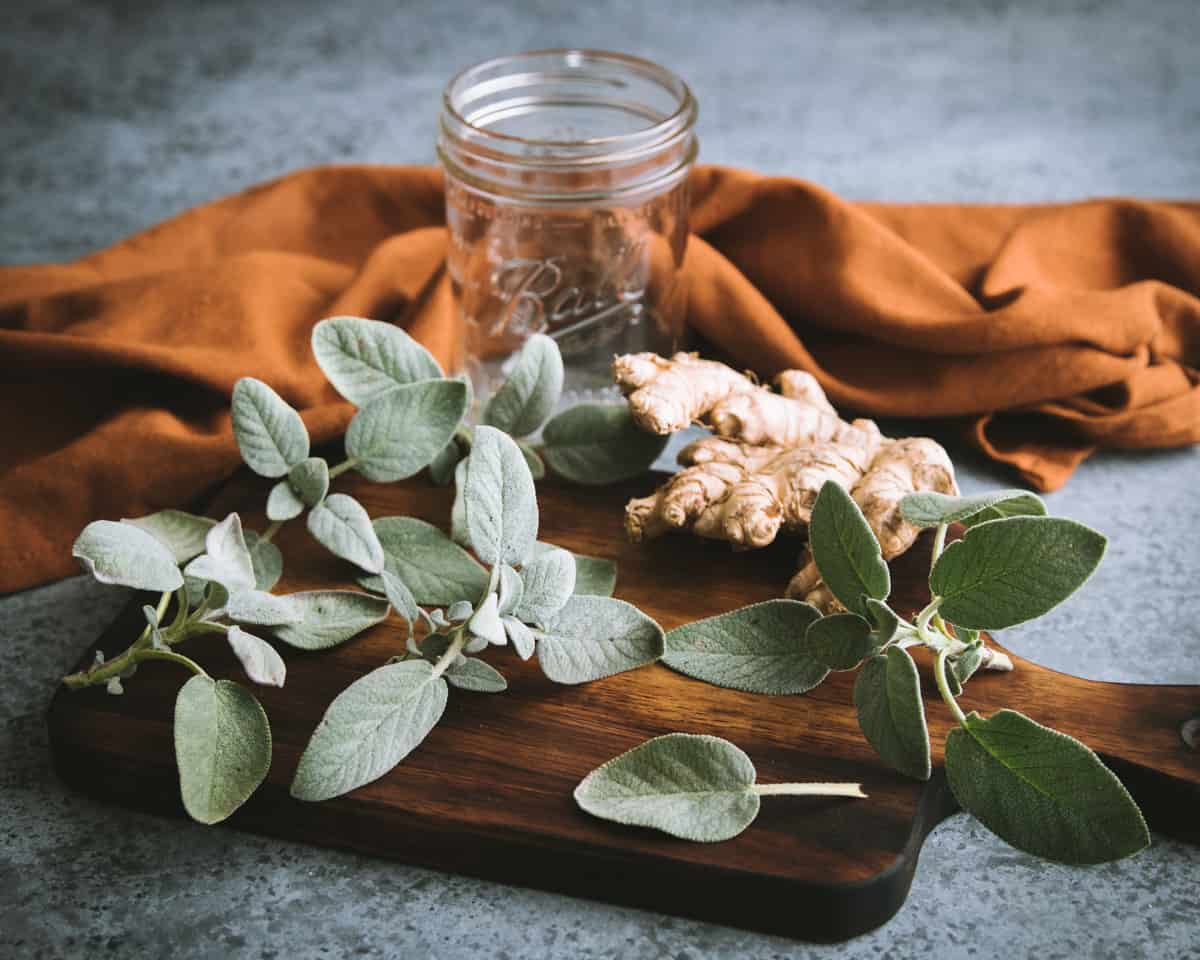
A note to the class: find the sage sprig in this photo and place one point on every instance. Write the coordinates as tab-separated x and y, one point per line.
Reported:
1039	789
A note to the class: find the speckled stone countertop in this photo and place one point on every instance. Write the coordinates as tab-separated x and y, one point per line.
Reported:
117	115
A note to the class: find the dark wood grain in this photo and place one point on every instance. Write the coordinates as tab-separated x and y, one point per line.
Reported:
489	791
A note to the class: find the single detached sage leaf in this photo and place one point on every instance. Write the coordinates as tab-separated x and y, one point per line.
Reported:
265	560
929	509
262	608
128	556
283	503
1008	571
841	641
365	358
330	617
692	787
595	637
1042	791
260	660
597	444
527	398
759	649
398	433
309	480
369	728
182	533
549	580
477	676
270	434
222	747
435	568
846	551
342	526
499	499
226	559
887	695
520	636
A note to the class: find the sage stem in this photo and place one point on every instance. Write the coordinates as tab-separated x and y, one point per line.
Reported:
939	673
808	790
348	464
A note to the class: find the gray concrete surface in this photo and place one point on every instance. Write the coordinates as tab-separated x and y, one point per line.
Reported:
116	115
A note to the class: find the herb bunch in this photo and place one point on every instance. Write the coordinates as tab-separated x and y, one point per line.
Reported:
1037	788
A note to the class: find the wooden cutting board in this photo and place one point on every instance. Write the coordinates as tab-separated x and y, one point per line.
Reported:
489	792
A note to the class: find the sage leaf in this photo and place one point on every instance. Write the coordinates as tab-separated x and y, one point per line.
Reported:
511	590
226	558
261	608
269	433
886	622
1008	571
441	467
260	660
401	599
460	610
265	560
458	511
182	533
929	509
128	556
369	728
436	569
477	676
963	666
598	444
485	622
398	433
549	580
520	636
689	786
846	551
365	358
499	499
1042	791
595	637
342	526
759	649
887	696
283	503
594	576
330	617
222	747
527	398
309	479
841	641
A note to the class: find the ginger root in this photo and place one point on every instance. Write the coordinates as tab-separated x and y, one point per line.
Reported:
770	457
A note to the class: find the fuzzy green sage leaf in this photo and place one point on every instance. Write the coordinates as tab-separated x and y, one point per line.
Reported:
222	747
369	728
597	444
846	551
365	358
689	786
841	641
930	509
1008	571
342	526
595	637
330	617
127	556
261	608
1042	791
887	696
283	503
435	568
260	660
549	580
399	432
227	558
499	501
183	533
477	676
527	398
309	480
759	649
270	434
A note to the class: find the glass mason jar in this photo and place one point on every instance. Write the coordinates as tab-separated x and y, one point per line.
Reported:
567	208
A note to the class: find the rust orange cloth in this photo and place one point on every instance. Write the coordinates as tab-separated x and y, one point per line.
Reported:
1054	329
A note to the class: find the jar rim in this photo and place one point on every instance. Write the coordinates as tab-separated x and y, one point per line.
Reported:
670	126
